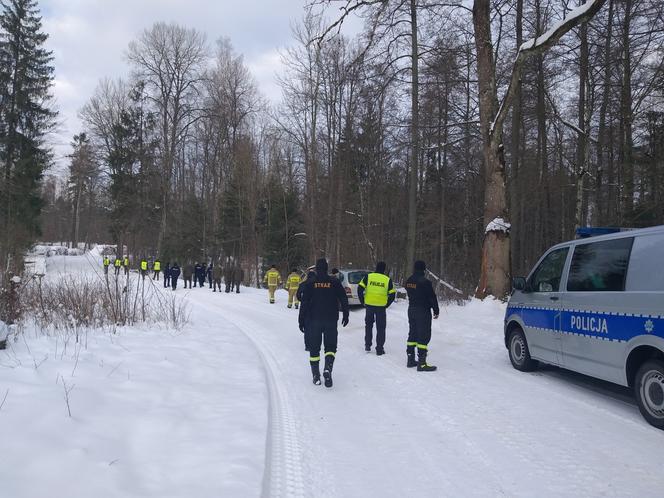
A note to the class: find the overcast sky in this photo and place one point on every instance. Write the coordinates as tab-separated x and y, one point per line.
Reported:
89	39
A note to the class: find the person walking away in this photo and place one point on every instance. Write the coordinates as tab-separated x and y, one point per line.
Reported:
201	275
156	267
238	277
376	293
422	301
144	268
187	274
167	275
197	273
106	263
125	264
175	274
273	280
322	297
228	276
216	278
117	264
208	274
293	284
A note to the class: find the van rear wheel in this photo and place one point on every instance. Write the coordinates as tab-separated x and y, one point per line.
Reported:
649	390
519	353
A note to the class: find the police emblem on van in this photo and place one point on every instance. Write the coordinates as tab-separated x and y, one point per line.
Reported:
649	326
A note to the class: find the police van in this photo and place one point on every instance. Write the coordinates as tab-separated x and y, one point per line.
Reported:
596	306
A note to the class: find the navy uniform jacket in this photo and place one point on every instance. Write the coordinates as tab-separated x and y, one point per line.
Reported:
321	298
175	272
421	293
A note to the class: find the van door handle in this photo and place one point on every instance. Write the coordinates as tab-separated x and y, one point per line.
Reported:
554	298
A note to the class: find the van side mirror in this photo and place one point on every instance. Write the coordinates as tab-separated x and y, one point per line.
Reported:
520	284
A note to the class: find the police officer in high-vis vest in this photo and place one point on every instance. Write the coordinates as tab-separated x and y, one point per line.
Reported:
117	264
376	292
107	263
156	267
144	267
422	301
293	284
273	280
125	264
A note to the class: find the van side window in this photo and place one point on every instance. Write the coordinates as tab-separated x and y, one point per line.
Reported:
600	266
546	277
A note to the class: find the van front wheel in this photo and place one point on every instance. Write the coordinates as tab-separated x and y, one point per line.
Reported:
519	353
649	390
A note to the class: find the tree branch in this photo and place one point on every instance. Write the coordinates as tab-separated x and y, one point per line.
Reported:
536	46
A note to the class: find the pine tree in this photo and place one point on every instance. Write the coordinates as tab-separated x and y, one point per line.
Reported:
26	77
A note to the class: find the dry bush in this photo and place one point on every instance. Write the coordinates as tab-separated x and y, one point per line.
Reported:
84	302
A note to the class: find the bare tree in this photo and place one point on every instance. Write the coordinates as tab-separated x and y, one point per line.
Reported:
495	265
169	58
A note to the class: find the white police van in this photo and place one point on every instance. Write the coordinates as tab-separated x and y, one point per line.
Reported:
596	306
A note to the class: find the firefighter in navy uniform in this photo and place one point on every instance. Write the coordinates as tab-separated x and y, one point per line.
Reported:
322	296
421	301
376	292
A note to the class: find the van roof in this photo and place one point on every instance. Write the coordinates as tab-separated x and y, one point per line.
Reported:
618	235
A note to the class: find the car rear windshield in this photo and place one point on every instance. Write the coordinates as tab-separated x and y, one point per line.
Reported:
600	266
354	277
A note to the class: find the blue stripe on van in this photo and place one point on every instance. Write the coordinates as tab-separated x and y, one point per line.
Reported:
607	326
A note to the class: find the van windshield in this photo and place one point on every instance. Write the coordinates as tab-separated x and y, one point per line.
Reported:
355	277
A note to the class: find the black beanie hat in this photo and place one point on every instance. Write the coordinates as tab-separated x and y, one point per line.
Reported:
321	266
380	267
420	266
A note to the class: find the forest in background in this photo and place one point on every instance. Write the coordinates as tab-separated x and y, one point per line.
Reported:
377	150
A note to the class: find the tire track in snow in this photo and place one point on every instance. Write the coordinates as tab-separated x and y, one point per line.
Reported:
283	459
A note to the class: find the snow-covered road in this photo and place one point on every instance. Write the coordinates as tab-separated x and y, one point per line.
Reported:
227	408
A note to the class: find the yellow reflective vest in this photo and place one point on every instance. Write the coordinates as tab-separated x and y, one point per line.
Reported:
117	263
377	287
293	281
107	262
144	265
273	278
157	266
126	262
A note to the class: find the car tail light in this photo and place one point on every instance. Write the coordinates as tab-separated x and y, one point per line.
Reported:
348	291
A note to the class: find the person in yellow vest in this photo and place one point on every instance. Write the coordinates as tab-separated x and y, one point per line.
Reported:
107	263
144	267
376	292
125	264
293	284
273	280
117	264
156	266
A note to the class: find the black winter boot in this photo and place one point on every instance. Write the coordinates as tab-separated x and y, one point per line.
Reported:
315	372
410	352
422	362
327	372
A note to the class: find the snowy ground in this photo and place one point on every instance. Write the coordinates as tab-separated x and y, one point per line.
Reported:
226	408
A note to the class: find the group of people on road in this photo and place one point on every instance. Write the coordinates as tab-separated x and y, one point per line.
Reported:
193	274
322	297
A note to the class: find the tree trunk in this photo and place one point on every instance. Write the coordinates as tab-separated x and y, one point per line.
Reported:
495	267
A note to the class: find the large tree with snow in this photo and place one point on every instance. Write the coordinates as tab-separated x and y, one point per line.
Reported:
495	265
